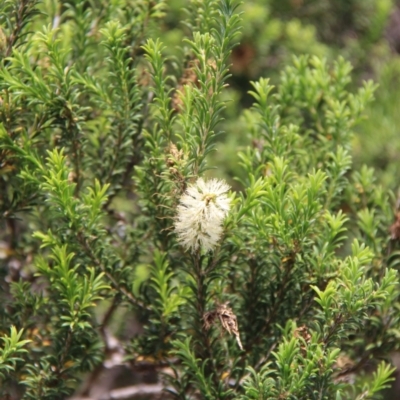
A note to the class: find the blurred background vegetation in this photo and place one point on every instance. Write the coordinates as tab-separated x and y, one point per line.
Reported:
365	32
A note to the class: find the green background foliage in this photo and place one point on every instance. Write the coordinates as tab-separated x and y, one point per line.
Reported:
109	110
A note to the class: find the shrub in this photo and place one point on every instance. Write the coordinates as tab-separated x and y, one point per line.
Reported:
285	288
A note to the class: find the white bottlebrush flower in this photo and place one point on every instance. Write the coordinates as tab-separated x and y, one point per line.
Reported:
201	212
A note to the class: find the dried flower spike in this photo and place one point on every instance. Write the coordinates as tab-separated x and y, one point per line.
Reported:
201	212
227	319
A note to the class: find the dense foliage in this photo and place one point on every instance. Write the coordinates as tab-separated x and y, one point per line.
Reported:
286	288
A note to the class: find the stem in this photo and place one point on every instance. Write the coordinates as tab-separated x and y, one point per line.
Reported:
339	319
77	153
279	300
89	252
20	15
204	350
65	352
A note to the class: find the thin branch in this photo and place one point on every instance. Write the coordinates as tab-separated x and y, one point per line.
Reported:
113	281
